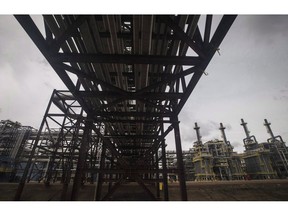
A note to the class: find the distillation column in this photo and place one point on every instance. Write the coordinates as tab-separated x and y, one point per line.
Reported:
279	152
202	159
250	142
235	170
222	129
257	160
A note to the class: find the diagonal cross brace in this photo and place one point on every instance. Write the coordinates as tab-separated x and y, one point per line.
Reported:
182	35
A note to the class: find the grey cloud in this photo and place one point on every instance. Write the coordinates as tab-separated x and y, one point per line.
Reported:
214	124
47	84
188	137
17	49
228	127
187	127
41	61
236	144
44	62
270	23
281	97
207	128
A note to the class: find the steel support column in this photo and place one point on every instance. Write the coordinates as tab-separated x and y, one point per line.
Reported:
51	162
164	166
157	175
100	174
81	160
111	175
70	163
180	165
28	165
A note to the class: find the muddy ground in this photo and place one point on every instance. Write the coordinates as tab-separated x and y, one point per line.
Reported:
253	190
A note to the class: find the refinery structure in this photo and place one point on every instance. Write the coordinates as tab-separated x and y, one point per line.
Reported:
128	78
214	160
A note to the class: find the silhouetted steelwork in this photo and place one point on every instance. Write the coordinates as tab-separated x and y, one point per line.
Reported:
132	74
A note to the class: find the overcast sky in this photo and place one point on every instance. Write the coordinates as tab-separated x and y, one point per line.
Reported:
247	80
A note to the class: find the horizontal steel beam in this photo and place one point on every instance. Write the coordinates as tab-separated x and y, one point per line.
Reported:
130	95
132	147
129	36
132	136
133	114
127	121
131	171
125	59
128	180
124	121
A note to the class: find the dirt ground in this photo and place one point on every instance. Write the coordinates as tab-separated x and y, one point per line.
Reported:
253	190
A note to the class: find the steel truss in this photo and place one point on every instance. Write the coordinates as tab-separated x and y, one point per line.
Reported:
132	74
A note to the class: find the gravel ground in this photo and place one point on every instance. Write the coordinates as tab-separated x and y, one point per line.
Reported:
253	190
